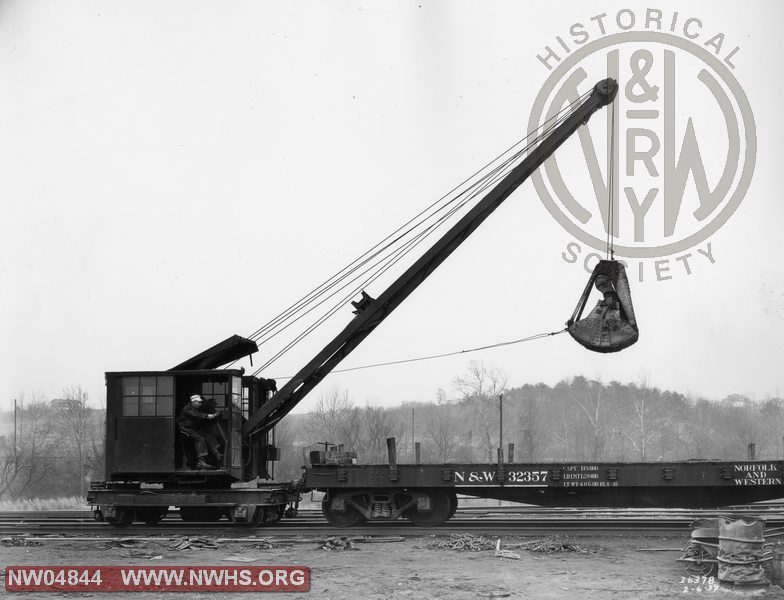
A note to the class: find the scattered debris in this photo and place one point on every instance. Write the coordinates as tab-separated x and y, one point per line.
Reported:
553	545
111	540
504	553
262	545
18	540
196	542
338	543
360	539
465	542
128	542
122	543
181	545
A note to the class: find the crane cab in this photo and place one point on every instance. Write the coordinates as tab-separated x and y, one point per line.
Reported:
143	442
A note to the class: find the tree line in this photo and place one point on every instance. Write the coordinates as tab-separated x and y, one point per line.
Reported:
578	419
59	446
56	449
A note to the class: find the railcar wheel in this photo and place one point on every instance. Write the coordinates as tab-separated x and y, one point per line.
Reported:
348	518
124	517
276	513
151	515
257	517
440	506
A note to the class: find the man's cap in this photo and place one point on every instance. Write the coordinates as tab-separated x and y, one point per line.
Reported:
196	398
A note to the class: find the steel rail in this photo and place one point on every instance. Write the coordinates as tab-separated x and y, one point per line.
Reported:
312	525
761	508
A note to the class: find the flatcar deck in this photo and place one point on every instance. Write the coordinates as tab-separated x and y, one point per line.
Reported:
688	484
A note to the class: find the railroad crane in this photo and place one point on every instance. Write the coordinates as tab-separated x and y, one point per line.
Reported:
150	465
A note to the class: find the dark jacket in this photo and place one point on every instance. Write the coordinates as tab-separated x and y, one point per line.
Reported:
191	417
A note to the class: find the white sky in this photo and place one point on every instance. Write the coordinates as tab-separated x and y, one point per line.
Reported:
174	172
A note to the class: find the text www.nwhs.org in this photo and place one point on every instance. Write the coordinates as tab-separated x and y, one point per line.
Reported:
170	579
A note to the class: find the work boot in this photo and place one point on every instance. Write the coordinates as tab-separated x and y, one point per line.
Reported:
203	464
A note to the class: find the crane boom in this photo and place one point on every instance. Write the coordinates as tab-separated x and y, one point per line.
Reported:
371	312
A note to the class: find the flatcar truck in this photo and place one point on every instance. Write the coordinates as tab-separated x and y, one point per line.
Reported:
150	464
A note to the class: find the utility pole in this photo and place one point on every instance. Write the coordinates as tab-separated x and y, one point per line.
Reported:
413	443
501	421
14	428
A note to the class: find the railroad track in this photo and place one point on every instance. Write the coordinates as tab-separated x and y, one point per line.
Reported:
490	521
759	508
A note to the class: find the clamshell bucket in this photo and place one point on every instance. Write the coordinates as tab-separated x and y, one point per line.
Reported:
611	325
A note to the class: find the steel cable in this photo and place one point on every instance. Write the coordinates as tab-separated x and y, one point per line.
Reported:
384	255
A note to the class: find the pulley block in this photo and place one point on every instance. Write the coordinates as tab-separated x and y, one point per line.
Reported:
611	325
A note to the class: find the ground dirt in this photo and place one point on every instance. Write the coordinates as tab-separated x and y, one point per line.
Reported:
414	568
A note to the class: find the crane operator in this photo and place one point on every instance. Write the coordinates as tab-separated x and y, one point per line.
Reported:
195	424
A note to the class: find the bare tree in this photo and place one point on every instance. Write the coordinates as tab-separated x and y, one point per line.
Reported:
443	430
29	463
480	389
772	413
560	432
700	432
291	455
743	426
530	413
79	425
590	398
325	420
351	430
646	422
441	397
335	420
379	424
